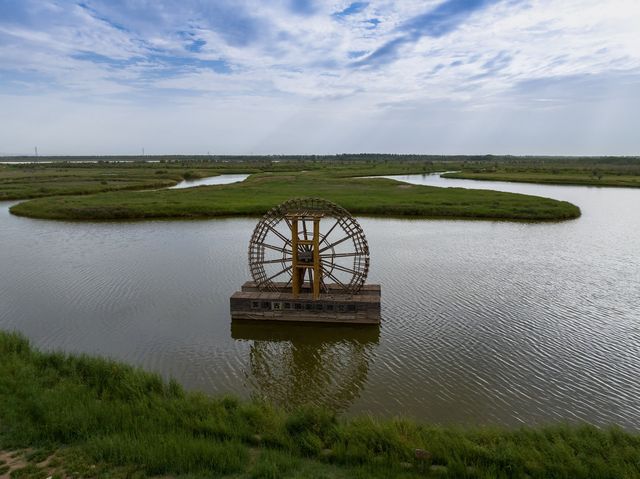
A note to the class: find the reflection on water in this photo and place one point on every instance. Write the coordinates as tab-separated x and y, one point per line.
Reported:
307	363
483	322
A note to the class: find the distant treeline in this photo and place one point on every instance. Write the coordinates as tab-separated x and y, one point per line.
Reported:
596	166
358	157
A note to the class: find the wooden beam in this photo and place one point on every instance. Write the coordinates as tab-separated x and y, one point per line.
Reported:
316	258
295	284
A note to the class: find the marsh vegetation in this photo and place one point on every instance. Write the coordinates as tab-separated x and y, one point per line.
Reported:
272	181
82	416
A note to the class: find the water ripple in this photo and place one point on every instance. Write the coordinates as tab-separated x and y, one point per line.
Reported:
484	322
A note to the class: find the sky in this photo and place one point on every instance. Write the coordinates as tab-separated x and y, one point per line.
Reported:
102	77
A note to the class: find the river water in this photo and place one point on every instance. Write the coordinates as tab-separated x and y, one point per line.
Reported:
483	322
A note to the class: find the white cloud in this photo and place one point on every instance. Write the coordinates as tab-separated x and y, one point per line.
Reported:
511	62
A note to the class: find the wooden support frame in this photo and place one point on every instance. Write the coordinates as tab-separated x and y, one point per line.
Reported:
295	278
299	267
316	258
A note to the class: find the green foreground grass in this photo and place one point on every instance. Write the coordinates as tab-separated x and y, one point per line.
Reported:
79	416
260	192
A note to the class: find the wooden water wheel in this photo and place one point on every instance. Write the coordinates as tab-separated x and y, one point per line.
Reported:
311	246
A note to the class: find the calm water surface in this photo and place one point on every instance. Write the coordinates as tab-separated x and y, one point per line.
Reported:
213	180
483	322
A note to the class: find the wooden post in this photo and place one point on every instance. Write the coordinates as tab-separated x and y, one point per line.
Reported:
316	257
295	278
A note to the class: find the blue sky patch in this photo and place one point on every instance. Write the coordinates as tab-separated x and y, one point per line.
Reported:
354	8
356	53
169	64
303	7
444	18
373	22
196	45
439	21
103	59
102	18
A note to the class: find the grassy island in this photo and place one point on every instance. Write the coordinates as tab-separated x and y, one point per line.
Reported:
261	191
274	177
79	416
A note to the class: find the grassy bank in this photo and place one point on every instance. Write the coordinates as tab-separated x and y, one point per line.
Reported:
621	172
80	416
375	197
567	178
35	181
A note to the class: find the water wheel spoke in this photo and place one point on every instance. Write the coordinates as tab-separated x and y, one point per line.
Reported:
304	229
280	235
337	281
344	269
272	261
278	274
340	255
281	249
336	243
324	239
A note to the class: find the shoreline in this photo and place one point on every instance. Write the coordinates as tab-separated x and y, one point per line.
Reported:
88	416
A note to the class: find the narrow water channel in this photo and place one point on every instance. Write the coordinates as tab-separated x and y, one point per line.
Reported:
483	322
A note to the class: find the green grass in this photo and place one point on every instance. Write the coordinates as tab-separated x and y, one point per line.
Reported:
281	177
21	181
98	418
35	181
260	192
553	176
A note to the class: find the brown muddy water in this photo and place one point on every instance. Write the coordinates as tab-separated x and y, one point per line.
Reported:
483	322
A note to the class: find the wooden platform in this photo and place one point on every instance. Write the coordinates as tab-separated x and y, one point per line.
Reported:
333	307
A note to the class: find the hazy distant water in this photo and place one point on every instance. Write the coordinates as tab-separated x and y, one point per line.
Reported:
483	322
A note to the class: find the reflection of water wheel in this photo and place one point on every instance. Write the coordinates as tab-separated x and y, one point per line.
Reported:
294	374
307	363
311	245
